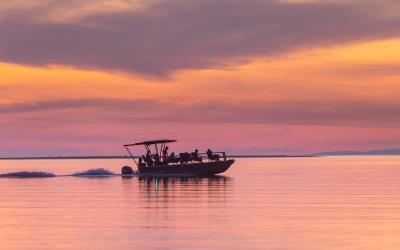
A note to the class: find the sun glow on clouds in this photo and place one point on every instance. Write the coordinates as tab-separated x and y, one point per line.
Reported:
298	94
85	76
318	74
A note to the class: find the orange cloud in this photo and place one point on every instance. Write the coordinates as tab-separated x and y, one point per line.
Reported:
325	98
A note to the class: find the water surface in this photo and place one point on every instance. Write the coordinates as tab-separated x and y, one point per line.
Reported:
272	203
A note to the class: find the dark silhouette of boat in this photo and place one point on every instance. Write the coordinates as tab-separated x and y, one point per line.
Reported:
159	163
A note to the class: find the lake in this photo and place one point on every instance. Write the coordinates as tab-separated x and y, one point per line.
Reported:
266	203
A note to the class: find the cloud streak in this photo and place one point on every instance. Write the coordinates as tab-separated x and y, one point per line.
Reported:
175	35
341	113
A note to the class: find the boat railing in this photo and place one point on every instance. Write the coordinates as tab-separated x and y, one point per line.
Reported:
201	157
219	154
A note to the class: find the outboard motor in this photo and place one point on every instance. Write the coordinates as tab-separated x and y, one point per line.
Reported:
126	170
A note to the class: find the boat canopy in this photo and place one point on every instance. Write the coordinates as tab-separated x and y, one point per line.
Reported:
147	146
147	143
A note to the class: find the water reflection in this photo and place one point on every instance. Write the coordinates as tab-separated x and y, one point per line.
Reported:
171	183
308	203
189	190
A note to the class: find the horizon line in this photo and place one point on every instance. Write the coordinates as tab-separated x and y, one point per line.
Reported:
75	157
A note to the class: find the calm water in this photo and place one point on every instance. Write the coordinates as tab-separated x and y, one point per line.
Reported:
279	203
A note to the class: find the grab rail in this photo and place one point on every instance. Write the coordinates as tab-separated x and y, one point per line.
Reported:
223	154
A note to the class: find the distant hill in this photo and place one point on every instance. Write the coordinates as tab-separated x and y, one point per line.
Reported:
371	152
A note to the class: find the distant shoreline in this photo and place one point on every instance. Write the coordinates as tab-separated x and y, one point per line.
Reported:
128	157
105	157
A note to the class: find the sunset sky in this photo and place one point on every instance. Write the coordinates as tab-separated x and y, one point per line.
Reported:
82	77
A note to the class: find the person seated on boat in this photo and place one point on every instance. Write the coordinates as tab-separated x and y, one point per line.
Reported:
149	162
148	154
157	160
212	156
209	153
142	161
148	159
165	155
184	157
172	158
195	156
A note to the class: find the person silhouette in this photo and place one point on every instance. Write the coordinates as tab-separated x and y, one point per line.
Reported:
209	154
157	160
195	155
165	154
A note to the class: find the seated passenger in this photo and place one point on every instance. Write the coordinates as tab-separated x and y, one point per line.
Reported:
157	160
212	156
149	162
142	161
184	157
195	156
172	158
165	155
209	153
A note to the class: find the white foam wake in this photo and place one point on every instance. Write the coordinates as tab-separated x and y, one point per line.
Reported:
94	172
27	174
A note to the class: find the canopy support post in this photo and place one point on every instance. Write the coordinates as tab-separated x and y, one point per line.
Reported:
130	153
155	145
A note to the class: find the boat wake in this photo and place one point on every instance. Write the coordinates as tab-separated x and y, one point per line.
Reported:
27	174
97	172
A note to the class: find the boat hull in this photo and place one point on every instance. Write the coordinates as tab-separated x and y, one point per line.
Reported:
188	169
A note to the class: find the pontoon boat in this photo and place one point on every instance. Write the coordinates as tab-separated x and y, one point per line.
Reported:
160	163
